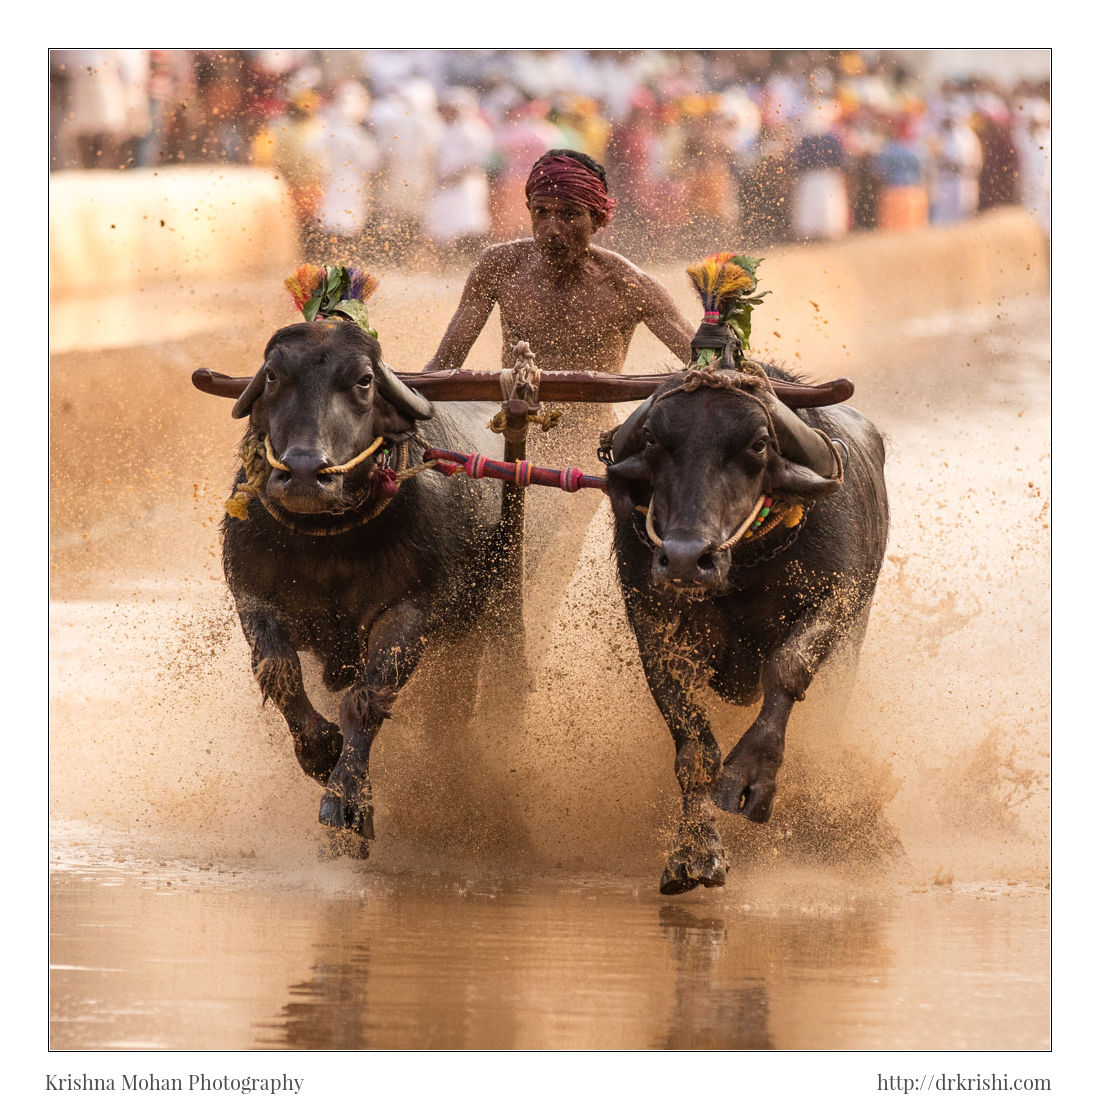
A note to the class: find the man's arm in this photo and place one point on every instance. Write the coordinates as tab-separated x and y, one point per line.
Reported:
479	294
663	318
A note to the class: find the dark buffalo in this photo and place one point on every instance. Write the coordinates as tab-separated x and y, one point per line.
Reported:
335	557
747	616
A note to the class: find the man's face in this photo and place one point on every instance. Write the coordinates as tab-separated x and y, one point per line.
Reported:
561	228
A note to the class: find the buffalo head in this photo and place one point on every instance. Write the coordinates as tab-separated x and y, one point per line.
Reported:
699	461
321	398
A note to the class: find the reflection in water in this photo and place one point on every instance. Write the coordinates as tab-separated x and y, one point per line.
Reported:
328	1010
342	959
708	1015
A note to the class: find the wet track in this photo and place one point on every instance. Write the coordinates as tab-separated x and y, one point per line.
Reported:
898	899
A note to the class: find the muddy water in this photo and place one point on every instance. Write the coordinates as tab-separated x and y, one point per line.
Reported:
898	899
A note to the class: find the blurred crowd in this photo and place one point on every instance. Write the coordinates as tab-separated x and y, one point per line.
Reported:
394	151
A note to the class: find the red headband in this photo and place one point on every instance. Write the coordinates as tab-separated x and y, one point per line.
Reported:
563	177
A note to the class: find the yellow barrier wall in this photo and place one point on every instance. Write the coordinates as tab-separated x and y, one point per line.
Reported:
110	229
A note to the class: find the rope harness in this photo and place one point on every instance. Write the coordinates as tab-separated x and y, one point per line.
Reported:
343	468
522	381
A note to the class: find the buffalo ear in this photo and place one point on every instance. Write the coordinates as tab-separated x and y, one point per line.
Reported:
628	484
785	476
389	420
251	391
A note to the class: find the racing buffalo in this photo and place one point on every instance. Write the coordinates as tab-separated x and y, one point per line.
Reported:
334	543
740	570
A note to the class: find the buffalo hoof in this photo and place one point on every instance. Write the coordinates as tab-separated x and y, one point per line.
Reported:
342	844
754	802
318	748
746	786
700	863
339	813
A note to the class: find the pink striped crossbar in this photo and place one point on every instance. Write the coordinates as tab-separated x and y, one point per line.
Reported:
522	472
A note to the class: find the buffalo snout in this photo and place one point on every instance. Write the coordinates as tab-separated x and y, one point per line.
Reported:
689	561
302	487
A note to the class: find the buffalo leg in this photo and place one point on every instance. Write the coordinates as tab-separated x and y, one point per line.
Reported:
698	856
394	644
747	782
278	670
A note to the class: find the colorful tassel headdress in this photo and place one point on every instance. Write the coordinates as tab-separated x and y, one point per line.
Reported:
726	284
322	291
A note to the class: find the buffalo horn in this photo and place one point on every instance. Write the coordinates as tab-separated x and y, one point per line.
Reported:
628	439
251	391
405	399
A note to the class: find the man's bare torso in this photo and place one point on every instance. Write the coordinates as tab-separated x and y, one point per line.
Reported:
578	319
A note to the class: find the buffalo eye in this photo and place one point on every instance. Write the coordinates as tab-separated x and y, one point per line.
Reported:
270	378
759	446
365	381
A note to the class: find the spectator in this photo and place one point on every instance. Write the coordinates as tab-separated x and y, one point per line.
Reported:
134	68
406	125
293	145
765	189
957	161
588	123
819	208
222	79
171	75
350	158
458	212
863	132
999	178
900	169
1034	148
708	192
96	118
524	135
632	160
62	154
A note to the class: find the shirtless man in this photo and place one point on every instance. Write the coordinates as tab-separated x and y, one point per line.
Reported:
576	304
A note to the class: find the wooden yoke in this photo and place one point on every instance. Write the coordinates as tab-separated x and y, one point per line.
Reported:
566	385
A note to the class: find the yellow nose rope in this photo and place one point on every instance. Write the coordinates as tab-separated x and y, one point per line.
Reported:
271	460
724	546
343	468
735	538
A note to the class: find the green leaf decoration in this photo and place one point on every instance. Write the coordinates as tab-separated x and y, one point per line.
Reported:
739	313
356	311
748	264
706	355
309	309
336	282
